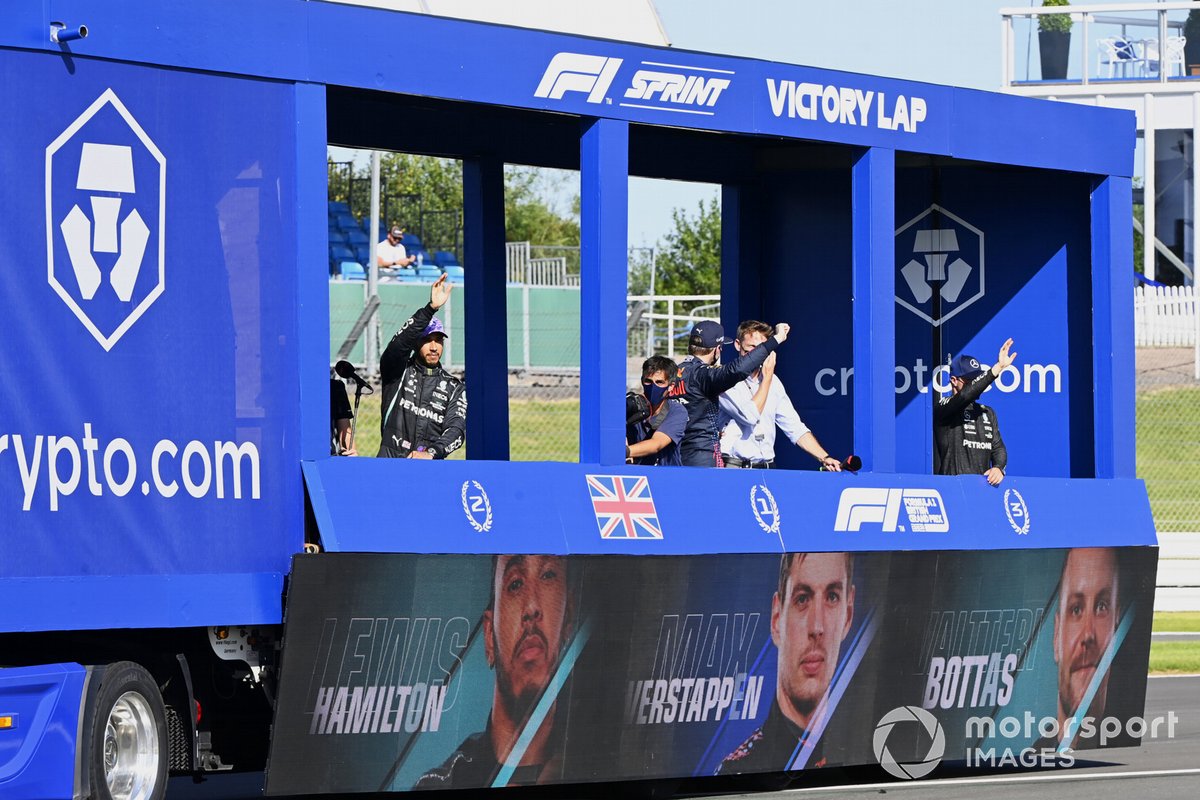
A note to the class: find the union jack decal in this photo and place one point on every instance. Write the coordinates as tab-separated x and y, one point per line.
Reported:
624	508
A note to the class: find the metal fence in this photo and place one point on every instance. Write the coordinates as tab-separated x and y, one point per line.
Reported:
1168	403
660	324
1168	435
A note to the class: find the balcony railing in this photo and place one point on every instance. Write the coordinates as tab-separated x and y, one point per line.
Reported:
1107	44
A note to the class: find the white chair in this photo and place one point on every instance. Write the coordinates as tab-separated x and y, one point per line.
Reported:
1119	57
1172	56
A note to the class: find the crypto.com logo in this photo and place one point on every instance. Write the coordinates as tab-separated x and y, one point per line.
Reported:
105	213
915	724
924	510
942	251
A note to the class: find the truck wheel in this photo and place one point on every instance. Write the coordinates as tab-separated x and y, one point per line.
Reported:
127	738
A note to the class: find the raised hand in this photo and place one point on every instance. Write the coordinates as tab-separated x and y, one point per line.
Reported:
781	332
1005	359
439	292
768	367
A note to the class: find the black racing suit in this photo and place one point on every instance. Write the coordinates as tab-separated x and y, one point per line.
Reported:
698	388
423	407
966	435
771	748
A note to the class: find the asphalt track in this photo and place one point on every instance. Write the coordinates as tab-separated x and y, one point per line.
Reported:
1158	770
1162	769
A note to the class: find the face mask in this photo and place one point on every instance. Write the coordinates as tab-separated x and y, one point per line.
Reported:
654	393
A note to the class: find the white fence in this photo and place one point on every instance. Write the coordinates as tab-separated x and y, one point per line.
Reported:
524	268
1165	316
660	324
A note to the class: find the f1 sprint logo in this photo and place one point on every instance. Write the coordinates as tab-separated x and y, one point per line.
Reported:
656	86
924	510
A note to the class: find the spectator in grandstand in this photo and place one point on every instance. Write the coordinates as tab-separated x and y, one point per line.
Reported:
966	433
755	405
1084	624
811	613
654	422
390	253
702	379
425	407
527	626
341	434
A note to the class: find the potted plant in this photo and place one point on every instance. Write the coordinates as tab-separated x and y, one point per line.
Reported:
1054	40
1191	48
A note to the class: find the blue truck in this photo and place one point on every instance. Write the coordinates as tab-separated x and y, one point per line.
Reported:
164	426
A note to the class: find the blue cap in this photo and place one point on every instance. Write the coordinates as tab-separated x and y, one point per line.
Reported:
965	367
435	326
708	333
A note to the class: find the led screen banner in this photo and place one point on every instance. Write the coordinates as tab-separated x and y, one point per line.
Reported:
406	672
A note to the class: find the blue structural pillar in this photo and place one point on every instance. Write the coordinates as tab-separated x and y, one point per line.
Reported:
312	284
741	277
604	286
873	206
486	323
1112	328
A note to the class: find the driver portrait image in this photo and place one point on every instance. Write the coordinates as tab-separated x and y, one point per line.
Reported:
528	624
812	611
1085	621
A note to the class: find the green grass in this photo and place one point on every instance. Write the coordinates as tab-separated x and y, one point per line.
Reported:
539	430
543	430
1176	621
1174	658
1168	455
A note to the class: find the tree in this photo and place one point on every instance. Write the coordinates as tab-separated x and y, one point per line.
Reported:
413	186
689	257
529	215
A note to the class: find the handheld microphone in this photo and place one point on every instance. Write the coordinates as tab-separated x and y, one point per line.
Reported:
345	371
852	464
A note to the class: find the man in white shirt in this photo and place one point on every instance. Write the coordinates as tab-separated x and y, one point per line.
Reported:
755	406
390	253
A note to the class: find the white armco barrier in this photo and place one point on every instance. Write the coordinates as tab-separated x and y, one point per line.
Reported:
1178	582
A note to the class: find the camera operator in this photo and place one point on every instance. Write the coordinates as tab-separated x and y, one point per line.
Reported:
654	422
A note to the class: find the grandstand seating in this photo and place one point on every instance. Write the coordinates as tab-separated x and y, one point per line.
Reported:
339	253
352	271
350	250
444	258
429	272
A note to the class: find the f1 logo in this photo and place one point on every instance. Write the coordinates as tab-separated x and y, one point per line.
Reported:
575	72
924	510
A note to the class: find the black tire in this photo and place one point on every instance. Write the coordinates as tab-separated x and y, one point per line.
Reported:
128	718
